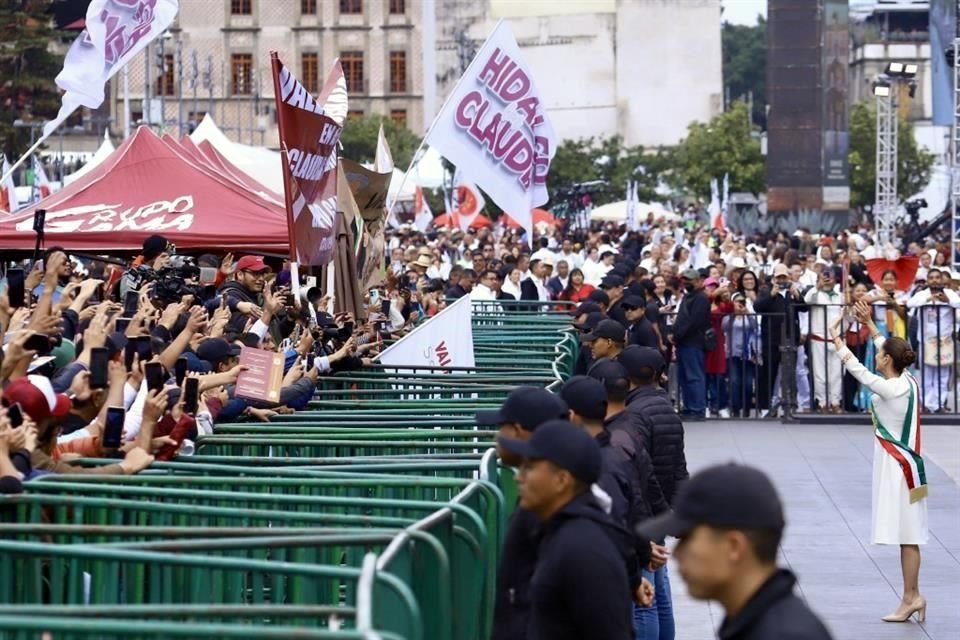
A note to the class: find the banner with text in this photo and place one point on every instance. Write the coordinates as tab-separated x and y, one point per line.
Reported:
308	142
495	127
445	341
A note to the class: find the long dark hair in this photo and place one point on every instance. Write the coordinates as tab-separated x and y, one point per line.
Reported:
756	281
568	290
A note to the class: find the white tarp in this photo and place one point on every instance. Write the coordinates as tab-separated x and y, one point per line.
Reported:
260	163
617	212
101	154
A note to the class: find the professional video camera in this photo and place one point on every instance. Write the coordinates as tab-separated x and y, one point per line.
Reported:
170	283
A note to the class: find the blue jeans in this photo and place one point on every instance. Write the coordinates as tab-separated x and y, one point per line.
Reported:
741	384
716	392
693	380
656	622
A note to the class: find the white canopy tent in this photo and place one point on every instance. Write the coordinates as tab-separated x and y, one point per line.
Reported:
101	154
259	163
617	212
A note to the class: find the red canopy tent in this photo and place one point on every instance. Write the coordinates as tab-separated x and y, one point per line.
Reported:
148	186
446	220
540	217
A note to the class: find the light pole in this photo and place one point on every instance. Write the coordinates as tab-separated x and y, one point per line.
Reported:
887	88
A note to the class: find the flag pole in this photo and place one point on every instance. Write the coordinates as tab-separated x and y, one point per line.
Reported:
27	154
436	119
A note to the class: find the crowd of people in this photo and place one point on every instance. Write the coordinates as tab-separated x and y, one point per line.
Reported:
720	307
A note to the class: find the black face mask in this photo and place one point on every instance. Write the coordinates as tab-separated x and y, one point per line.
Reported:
689	287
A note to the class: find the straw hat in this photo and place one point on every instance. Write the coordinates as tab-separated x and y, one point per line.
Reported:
422	261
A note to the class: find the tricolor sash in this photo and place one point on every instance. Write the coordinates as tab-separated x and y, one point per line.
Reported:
906	449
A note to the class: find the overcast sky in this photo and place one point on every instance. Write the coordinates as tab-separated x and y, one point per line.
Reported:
743	11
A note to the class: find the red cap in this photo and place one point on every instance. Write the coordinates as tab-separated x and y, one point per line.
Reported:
37	398
252	263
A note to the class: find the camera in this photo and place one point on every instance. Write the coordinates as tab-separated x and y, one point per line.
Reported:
170	283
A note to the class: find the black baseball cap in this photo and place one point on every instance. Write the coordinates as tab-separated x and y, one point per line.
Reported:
611	373
585	307
527	406
633	300
563	444
585	396
610	329
591	321
621	269
636	357
611	280
214	350
730	496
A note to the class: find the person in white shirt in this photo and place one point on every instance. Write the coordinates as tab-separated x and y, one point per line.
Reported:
594	268
485	291
574	259
935	306
826	305
543	252
511	284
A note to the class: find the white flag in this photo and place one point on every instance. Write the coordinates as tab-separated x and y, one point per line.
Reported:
116	31
724	202
8	191
468	201
494	125
444	341
383	161
423	216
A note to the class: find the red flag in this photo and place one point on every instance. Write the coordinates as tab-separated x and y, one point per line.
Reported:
308	144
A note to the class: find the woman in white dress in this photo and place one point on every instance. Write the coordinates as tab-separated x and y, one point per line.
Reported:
899	478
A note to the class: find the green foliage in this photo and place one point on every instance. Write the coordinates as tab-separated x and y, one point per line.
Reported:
745	64
913	163
605	159
27	70
726	144
359	140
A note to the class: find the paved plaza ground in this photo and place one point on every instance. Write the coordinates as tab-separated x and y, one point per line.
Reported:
823	473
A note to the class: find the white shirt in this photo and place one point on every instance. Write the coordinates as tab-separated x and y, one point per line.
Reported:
827	308
541	254
574	259
936	318
593	272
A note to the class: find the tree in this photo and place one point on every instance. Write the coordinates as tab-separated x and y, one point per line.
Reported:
359	140
27	70
913	163
745	64
606	160
726	144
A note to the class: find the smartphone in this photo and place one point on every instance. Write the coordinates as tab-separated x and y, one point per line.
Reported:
208	275
15	415
311	359
130	304
122	324
38	342
113	431
15	287
180	371
191	396
142	345
374	296
99	361
155	377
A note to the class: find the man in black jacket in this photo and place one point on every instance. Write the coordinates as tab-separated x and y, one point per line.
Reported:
525	409
779	306
640	330
580	587
693	320
730	521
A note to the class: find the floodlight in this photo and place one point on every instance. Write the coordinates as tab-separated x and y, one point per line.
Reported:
894	69
910	70
881	88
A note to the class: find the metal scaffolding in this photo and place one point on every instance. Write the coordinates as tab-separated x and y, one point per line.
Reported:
885	207
955	150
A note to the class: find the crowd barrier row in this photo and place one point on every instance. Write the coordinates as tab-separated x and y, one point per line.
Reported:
378	512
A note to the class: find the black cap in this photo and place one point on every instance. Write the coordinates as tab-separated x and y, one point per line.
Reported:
599	297
610	329
637	288
153	246
621	269
612	374
635	301
611	280
527	406
585	396
636	357
215	350
730	496
585	307
591	321
563	444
